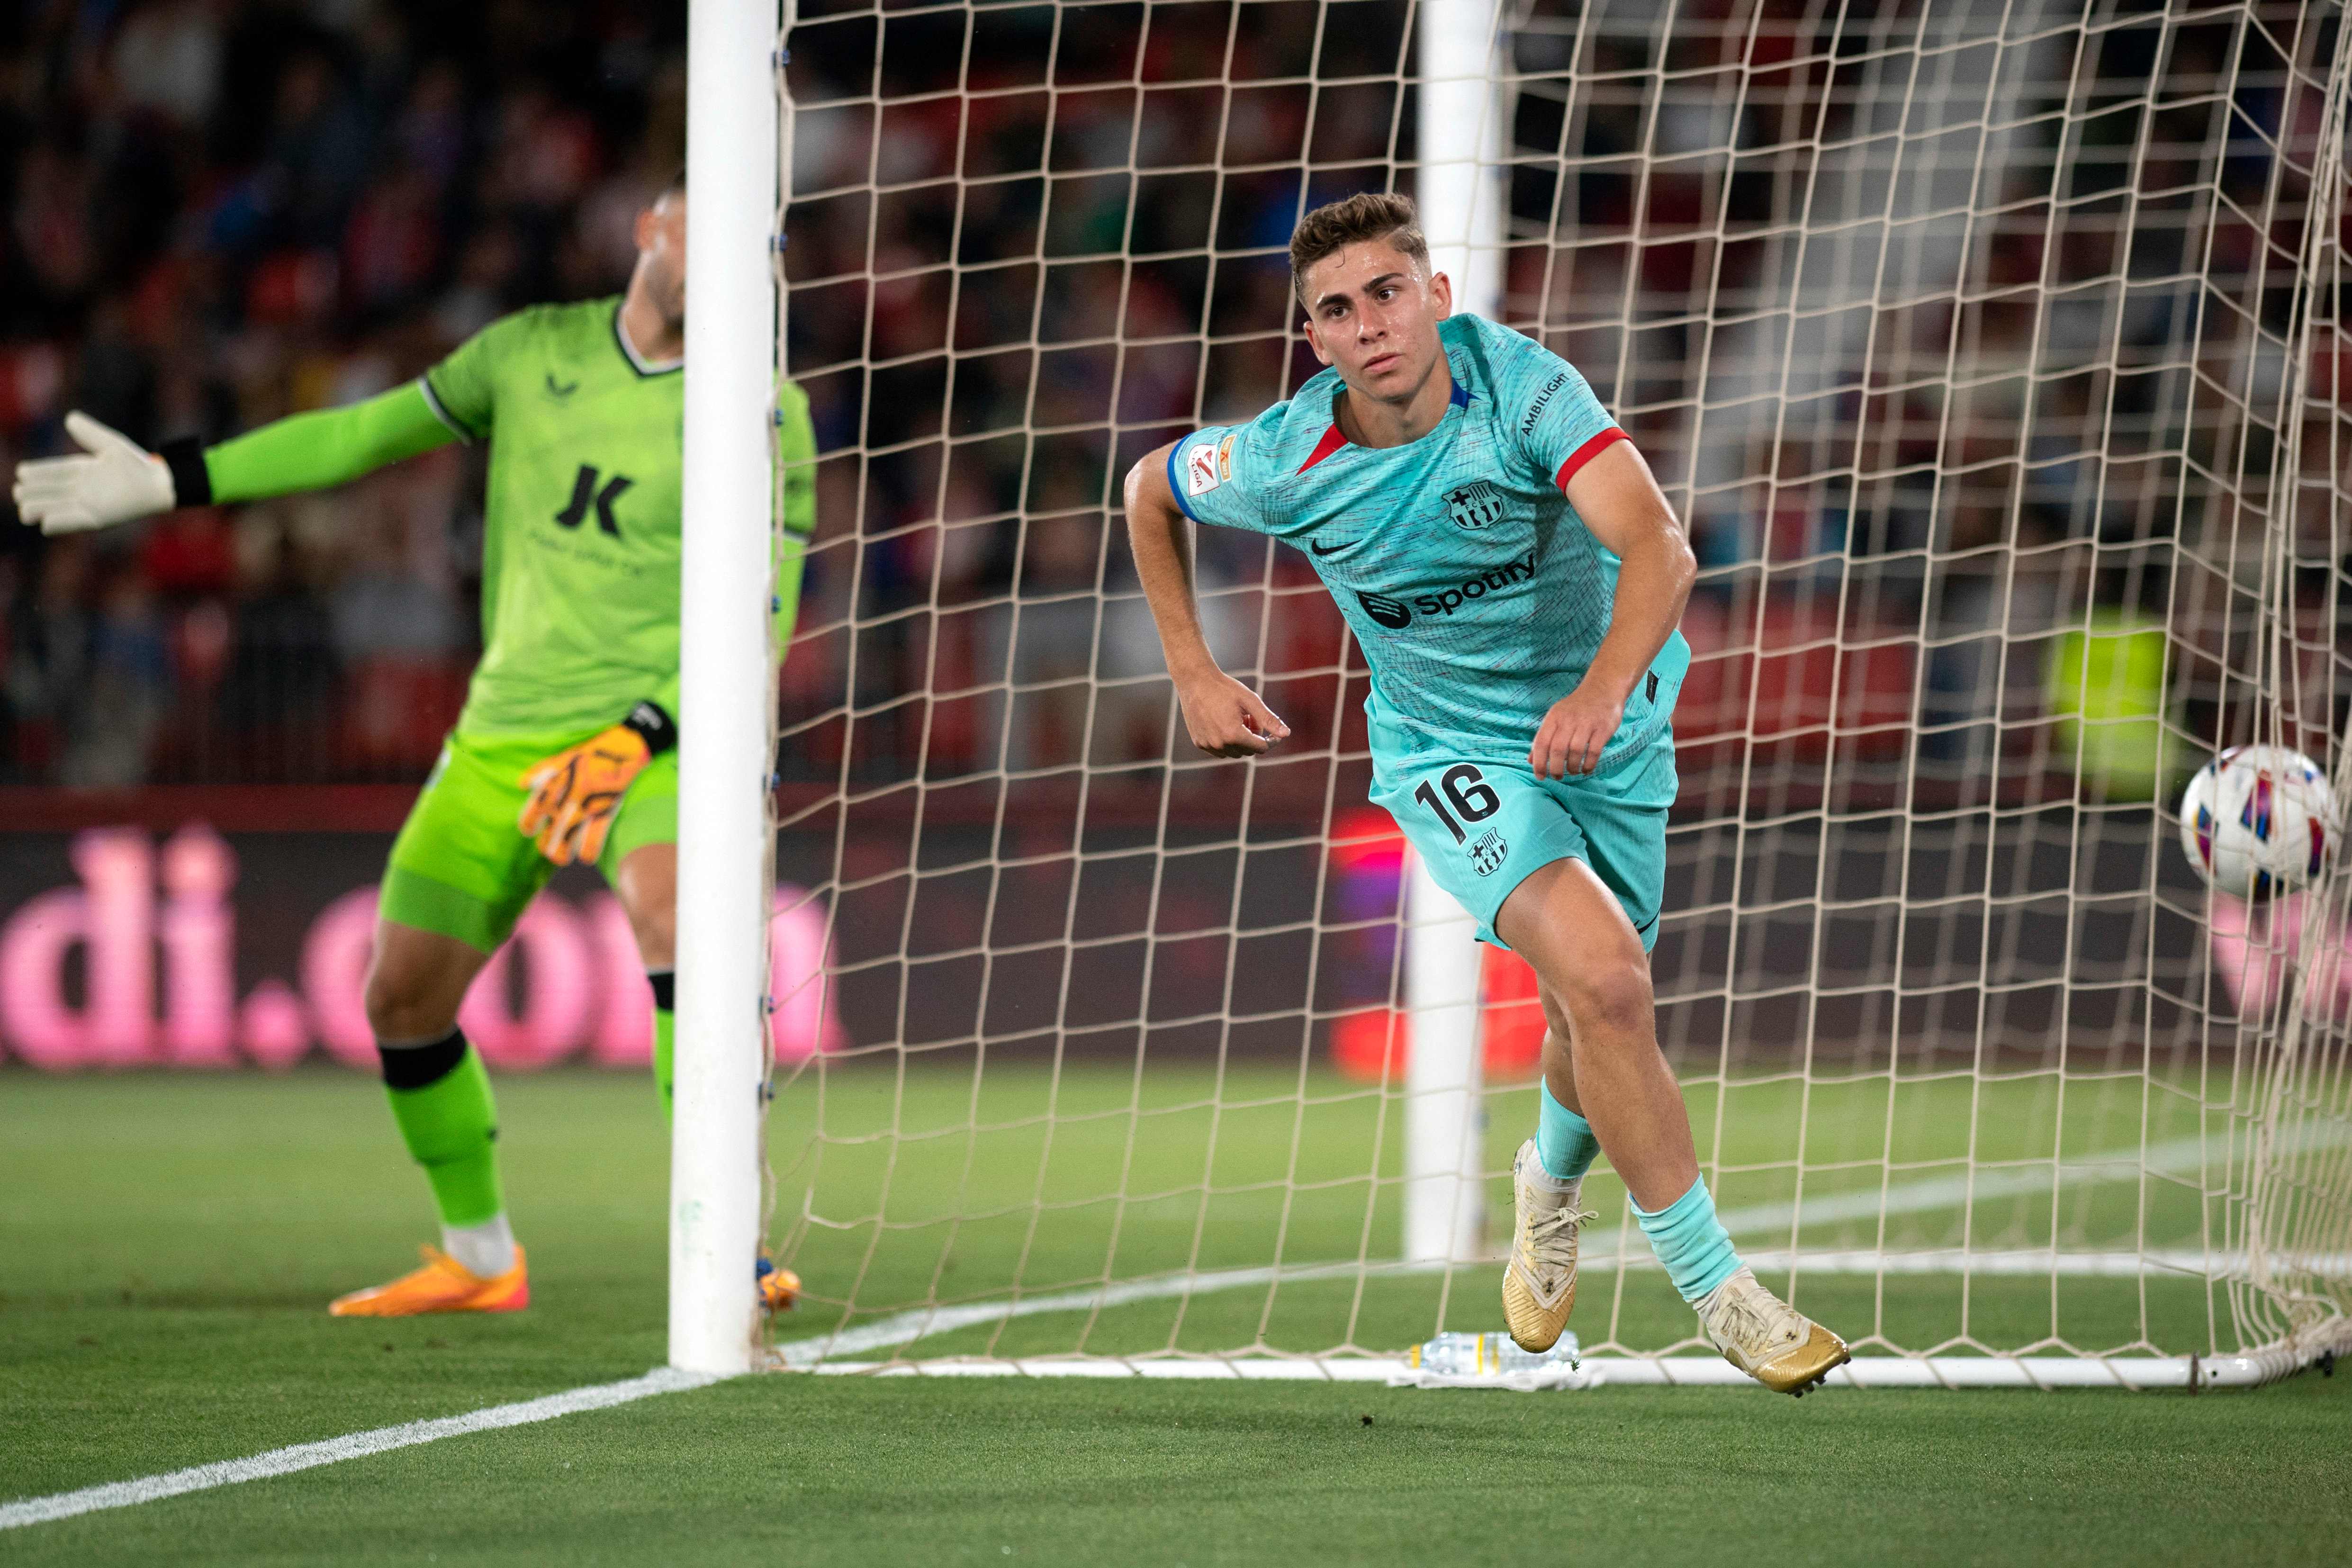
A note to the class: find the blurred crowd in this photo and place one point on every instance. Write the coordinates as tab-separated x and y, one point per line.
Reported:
1915	341
223	211
1027	245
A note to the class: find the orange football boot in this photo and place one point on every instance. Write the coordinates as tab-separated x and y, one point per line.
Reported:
443	1285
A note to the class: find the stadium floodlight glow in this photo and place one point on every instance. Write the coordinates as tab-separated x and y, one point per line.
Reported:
727	697
2003	385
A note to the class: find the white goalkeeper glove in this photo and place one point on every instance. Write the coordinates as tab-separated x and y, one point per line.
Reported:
116	480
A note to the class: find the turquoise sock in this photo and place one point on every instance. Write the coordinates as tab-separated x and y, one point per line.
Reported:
1564	1140
1691	1242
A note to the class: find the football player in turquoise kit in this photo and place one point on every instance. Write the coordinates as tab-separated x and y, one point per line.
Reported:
1516	578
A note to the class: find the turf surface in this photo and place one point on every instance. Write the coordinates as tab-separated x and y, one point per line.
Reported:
170	1243
949	1185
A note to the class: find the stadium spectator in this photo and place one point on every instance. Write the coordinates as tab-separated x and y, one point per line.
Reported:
220	211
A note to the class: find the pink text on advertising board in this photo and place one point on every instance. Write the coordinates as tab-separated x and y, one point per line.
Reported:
155	930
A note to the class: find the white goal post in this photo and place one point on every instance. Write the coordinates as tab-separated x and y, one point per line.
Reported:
725	740
1993	352
1459	125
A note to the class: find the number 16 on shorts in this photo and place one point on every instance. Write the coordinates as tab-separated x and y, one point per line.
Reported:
1462	800
1480	827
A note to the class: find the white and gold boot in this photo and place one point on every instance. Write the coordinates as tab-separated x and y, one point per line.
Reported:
1539	1286
1767	1339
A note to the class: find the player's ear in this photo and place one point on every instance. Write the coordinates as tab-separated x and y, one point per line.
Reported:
1315	340
1441	295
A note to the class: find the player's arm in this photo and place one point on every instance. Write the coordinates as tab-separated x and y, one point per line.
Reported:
114	479
1620	502
1224	718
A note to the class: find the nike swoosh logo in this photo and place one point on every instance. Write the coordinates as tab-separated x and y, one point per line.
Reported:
1318	549
561	389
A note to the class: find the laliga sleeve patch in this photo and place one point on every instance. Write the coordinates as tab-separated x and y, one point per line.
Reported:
1201	474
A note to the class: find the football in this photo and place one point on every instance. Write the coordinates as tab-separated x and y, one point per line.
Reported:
2259	819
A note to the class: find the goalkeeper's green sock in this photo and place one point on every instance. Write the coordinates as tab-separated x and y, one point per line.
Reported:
441	1098
664	985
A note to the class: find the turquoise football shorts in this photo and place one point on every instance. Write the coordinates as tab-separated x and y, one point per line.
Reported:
1483	826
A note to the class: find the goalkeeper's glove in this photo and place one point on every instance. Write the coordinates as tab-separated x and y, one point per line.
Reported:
575	793
114	480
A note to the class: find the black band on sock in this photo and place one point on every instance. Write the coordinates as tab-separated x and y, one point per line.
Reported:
192	482
664	985
421	1066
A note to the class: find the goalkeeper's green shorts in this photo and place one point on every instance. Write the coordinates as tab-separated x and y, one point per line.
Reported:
461	865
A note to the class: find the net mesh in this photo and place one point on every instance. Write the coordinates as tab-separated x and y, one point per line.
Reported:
1991	351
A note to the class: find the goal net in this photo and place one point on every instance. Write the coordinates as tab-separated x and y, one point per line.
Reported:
1992	353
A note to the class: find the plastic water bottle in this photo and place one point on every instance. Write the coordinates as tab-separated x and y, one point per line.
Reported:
1485	1355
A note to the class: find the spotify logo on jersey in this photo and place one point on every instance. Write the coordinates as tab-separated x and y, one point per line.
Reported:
1397	613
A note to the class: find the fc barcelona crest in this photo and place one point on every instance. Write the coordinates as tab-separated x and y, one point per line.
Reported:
1477	504
1486	855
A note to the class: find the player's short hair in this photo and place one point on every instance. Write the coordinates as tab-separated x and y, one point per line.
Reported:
676	186
1383	216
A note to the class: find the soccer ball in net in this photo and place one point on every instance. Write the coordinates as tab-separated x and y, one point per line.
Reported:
2259	819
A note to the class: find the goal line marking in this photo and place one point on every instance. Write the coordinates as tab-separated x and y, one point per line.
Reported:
924	1323
352	1446
1922	1195
905	1328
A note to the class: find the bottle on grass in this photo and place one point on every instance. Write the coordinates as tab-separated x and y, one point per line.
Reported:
1485	1355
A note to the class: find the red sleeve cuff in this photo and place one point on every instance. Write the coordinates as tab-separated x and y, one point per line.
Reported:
1585	453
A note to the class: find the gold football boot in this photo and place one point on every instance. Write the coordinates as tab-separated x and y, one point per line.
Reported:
1766	1338
1539	1286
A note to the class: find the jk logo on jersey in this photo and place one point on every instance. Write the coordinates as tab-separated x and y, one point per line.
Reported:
1477	504
585	495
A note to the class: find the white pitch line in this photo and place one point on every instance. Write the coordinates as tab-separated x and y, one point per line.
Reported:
334	1450
922	1322
905	1328
2020	1262
1923	1195
2180	1155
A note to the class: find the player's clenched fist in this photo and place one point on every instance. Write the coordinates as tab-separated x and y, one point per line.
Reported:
576	793
1574	733
1226	718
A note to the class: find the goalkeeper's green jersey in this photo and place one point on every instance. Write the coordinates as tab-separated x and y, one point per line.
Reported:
580	553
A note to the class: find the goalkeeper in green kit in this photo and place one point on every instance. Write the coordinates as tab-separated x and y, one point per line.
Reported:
566	749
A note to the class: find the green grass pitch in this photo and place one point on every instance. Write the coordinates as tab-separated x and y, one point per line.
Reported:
951	1186
170	1244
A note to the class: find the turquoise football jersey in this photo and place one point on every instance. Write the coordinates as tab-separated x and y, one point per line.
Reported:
1480	597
